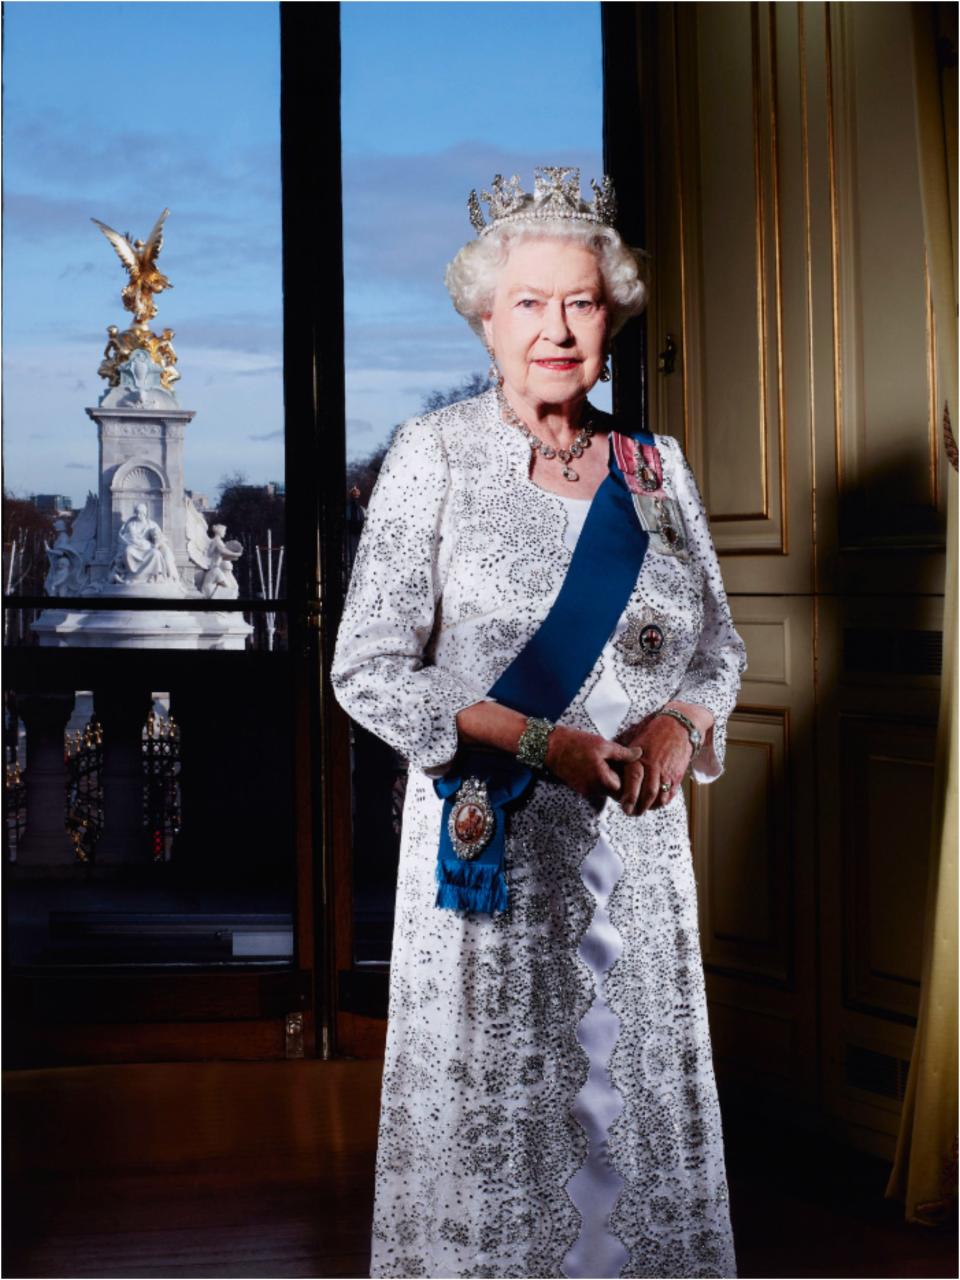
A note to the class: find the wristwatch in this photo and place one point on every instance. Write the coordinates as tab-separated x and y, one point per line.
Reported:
696	737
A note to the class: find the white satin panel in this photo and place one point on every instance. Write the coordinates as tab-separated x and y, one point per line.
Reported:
595	1187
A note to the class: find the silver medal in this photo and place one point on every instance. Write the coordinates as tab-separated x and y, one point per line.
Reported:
662	519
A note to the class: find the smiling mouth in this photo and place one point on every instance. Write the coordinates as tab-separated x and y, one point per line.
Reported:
566	363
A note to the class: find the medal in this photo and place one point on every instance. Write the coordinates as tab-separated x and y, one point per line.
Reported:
641	464
661	518
668	525
471	820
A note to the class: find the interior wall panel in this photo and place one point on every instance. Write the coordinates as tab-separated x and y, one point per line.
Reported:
876	736
753	842
730	247
735	293
743	896
804	391
735	290
886	428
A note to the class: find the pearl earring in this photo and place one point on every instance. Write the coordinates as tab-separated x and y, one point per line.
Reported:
493	373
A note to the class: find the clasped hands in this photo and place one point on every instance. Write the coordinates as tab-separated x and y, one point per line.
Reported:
656	751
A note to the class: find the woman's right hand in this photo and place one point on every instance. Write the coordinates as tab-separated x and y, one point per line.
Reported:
587	762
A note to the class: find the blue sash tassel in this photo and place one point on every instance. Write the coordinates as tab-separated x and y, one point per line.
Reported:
479	884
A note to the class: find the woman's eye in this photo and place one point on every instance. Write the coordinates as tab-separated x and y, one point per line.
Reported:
582	304
527	303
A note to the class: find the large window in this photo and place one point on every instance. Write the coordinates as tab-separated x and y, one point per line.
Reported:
149	698
76	465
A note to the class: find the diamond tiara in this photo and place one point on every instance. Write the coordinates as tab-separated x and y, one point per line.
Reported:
556	194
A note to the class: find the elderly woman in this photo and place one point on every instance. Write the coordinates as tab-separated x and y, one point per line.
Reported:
536	621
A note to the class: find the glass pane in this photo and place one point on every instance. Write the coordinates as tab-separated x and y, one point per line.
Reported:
144	445
137	836
149	814
436	100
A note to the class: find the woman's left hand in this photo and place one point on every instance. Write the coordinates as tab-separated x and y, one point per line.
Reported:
666	755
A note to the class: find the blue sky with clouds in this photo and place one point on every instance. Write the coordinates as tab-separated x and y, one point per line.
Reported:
117	110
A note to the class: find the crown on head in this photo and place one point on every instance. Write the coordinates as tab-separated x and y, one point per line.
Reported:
556	194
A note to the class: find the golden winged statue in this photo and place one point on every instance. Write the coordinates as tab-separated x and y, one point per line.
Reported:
139	258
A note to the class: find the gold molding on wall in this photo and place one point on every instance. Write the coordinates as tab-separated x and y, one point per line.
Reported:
808	276
932	385
761	268
681	226
834	249
778	270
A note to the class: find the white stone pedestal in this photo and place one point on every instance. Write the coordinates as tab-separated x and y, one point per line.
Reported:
140	629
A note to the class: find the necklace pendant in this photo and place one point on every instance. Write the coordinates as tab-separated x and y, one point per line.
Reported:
570	474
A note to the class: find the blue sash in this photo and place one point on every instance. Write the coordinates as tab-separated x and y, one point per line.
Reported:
542	680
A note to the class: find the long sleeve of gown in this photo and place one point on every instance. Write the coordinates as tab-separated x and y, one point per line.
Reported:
712	678
380	674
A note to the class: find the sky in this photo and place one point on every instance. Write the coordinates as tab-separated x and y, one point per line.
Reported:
118	110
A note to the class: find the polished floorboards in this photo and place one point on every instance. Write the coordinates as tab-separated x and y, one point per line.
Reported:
266	1169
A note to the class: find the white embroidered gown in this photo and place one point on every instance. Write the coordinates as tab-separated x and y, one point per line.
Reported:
549	1105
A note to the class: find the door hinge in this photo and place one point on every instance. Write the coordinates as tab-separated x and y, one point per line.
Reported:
667	359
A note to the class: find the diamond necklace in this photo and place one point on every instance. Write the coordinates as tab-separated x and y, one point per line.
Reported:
581	441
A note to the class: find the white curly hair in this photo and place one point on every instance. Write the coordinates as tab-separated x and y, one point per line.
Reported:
472	275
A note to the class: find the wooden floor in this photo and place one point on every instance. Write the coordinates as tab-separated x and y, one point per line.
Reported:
266	1169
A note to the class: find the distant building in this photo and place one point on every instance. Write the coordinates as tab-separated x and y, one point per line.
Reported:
275	488
200	501
52	504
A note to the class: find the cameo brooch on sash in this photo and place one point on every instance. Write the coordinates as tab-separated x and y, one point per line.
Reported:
644	639
471	820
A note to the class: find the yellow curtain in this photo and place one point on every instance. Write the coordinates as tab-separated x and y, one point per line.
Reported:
924	1173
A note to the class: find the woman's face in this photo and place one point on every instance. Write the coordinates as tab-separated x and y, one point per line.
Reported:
548	326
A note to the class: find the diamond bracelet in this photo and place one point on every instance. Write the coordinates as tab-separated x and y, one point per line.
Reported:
532	748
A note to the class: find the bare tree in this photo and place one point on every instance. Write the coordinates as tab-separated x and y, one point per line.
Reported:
25	531
362	472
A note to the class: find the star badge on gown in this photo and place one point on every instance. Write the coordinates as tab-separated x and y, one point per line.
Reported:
644	639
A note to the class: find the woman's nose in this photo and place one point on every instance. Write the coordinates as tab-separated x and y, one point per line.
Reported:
555	327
